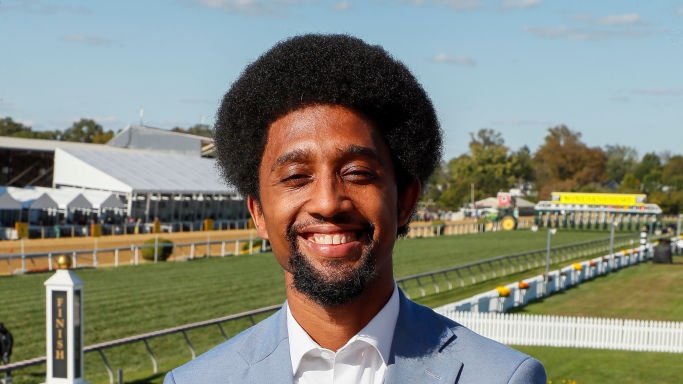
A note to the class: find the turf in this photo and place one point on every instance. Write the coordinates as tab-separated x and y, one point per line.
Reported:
132	300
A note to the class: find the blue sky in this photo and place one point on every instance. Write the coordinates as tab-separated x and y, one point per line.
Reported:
612	70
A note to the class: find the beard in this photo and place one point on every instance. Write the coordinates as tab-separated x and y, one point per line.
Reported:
342	282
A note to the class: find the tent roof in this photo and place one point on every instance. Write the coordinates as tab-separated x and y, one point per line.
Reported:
7	201
32	198
134	171
67	199
157	139
103	200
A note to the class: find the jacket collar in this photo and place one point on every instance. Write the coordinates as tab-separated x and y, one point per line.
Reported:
421	350
422	347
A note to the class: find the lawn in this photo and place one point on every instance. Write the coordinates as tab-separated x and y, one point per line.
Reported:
131	300
648	292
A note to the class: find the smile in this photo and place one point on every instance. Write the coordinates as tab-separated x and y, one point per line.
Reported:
332	238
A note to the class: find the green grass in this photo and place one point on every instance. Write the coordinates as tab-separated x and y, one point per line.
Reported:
132	300
648	292
598	366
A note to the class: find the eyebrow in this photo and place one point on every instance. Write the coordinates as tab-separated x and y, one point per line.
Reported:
303	155
293	156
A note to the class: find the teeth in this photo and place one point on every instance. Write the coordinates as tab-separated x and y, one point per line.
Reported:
335	239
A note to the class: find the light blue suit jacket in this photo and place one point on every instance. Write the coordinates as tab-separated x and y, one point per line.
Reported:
427	348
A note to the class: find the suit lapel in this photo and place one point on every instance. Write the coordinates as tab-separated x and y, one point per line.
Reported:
419	350
266	350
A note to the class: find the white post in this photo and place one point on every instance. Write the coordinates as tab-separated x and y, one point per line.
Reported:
611	237
64	328
546	277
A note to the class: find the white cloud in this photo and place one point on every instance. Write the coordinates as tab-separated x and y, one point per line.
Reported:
586	34
659	91
462	4
620	99
564	32
520	4
90	40
342	6
258	7
625	19
457	60
42	7
679	11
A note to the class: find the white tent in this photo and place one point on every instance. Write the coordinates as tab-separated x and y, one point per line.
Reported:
67	199
7	202
136	172
151	184
102	200
157	139
32	198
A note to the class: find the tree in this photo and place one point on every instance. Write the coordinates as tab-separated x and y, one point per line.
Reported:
672	173
489	167
86	131
197	129
565	163
620	161
9	127
629	184
649	172
522	167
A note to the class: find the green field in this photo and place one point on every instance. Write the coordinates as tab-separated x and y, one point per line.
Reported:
648	292
132	300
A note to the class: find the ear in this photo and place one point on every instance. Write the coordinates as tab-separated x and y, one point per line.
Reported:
257	215
407	199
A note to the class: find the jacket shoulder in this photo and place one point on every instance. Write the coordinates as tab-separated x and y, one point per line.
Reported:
233	361
480	359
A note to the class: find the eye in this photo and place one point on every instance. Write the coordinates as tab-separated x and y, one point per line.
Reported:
295	178
359	174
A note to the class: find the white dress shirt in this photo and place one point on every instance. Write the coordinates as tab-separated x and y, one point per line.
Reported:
362	360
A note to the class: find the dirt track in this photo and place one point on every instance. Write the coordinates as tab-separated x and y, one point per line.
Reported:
70	244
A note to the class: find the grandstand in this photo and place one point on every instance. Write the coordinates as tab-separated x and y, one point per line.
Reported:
141	176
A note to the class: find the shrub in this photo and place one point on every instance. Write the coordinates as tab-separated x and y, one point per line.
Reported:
256	243
165	249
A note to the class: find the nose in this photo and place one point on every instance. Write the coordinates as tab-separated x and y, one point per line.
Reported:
328	198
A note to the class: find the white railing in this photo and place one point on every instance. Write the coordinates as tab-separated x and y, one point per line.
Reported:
518	294
575	332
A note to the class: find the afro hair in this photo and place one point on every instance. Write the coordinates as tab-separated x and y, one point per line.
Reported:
318	69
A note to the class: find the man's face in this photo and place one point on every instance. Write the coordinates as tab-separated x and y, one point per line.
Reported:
329	204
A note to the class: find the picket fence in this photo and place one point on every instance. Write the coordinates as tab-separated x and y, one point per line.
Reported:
574	332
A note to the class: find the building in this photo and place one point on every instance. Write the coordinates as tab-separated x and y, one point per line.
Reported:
141	175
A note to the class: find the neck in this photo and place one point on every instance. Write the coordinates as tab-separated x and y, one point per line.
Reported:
332	327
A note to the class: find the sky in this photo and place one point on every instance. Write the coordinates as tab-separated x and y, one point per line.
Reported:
611	70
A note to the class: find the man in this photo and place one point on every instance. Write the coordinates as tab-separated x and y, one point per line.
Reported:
331	140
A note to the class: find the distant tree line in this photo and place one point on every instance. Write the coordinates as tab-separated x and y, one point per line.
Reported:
83	131
197	129
562	163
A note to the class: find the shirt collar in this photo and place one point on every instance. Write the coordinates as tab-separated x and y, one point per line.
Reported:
379	332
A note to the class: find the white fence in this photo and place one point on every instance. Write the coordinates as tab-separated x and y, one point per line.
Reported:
521	293
575	332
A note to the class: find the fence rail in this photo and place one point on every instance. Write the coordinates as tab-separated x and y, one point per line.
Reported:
132	254
424	284
575	332
145	337
445	229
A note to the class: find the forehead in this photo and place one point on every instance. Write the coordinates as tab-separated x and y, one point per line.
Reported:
324	131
